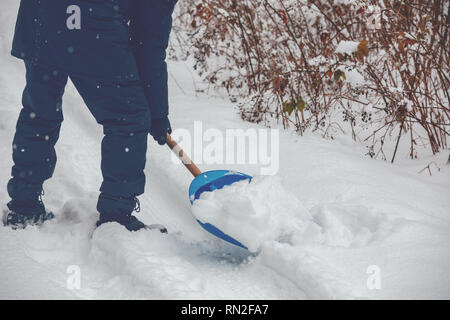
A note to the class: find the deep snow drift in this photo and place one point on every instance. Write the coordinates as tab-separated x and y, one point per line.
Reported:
318	226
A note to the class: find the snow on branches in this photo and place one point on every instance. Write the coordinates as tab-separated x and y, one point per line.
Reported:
379	69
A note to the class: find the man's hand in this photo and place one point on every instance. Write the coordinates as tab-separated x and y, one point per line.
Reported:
159	129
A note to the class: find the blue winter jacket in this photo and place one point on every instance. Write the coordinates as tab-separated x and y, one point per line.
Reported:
109	31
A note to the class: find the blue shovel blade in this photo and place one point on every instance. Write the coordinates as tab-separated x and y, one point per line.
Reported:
210	181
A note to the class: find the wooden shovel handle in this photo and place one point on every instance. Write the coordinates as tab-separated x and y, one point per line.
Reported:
183	157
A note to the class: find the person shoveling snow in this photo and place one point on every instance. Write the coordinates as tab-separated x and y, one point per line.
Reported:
115	56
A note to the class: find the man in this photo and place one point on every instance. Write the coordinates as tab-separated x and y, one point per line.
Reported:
114	53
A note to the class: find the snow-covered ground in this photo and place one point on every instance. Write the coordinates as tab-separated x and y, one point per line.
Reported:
348	218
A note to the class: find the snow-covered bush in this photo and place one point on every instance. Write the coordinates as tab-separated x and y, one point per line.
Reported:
379	69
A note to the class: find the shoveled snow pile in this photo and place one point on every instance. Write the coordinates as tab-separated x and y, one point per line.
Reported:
255	212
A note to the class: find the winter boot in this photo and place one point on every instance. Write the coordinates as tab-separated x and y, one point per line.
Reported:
122	213
130	222
120	210
26	213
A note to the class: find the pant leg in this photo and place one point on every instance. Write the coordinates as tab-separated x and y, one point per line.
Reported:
37	131
150	25
121	108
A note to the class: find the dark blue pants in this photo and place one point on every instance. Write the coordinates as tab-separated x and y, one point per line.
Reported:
120	106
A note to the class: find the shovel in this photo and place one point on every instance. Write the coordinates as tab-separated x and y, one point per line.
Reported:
205	182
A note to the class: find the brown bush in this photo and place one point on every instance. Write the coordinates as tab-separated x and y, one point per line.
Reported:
279	58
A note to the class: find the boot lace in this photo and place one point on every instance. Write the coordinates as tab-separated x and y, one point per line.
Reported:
42	193
137	207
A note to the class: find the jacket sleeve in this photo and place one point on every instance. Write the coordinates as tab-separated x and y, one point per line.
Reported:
151	24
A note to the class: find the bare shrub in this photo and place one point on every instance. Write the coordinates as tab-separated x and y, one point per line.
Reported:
382	66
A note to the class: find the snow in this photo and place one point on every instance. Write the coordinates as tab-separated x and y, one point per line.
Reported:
319	228
355	78
347	47
254	213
